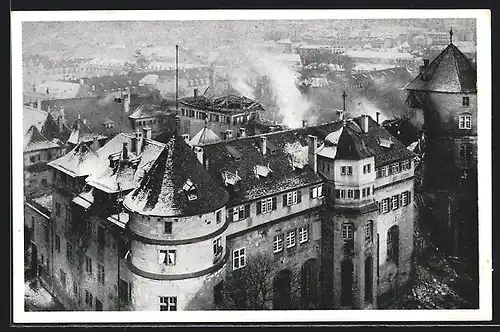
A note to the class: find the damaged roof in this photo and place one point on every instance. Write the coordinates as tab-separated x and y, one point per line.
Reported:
204	136
80	161
451	71
176	184
146	111
230	104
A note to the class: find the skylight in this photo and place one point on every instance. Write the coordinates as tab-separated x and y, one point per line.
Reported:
262	171
385	142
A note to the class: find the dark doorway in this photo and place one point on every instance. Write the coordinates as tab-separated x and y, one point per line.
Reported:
282	290
309	284
98	305
393	244
369	280
347	279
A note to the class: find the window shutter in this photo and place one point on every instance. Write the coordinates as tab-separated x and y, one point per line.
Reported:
284	199
337	193
400	199
275	203
311	193
259	207
230	214
299	196
390	203
379	207
409	196
247	210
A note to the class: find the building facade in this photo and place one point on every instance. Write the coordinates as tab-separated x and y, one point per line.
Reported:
321	217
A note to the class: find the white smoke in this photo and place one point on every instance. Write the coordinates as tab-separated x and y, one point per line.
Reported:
363	106
249	63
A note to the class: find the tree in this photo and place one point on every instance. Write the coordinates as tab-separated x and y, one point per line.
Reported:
250	287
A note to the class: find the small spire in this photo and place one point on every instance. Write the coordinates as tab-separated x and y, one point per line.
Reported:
451	35
206	122
344	96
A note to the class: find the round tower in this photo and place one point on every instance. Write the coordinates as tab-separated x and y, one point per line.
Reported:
177	233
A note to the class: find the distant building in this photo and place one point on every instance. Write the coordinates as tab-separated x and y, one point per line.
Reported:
62	90
139	224
381	57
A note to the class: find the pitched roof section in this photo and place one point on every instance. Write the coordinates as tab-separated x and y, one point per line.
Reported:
33	117
176	184
80	161
146	111
82	133
204	136
34	141
451	71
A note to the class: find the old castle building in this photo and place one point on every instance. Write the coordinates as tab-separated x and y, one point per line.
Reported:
446	92
315	217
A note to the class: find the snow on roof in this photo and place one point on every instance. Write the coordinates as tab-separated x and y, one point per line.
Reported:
33	117
298	154
82	133
34	141
204	136
80	161
149	79
379	55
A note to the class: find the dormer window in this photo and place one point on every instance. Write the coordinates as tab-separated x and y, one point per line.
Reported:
190	190
464	121
262	171
385	142
231	178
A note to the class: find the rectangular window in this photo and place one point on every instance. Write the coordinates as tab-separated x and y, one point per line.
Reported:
316	191
464	121
404	198
58	244
167	256
291	198
168	303
88	264
349	170
217	246
347	231
395	168
342	193
75	288
266	205
239	260
218	216
343	170
465	101
350	193
363	192
385	205
100	274
395	202
69	251
368	230
278	243
46	233
367	168
88	298
290	239
368	191
303	234
167	227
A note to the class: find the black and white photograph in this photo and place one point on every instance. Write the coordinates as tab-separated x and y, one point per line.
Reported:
251	165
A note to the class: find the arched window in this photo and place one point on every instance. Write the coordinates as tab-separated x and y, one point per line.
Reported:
369	280
393	244
282	288
346	280
309	284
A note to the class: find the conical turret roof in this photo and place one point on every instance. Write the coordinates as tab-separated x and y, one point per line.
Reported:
176	185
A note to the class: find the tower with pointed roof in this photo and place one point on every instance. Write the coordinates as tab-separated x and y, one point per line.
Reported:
446	92
178	232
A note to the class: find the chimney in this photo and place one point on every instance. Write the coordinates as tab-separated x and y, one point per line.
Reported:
125	151
199	153
146	132
364	123
304	123
185	137
138	142
243	132
263	144
426	63
228	134
272	128
195	93
378	117
177	124
82	81
311	152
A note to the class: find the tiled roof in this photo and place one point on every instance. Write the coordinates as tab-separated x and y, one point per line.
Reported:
34	140
80	161
204	136
174	176
51	130
82	133
290	145
451	71
146	111
126	174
